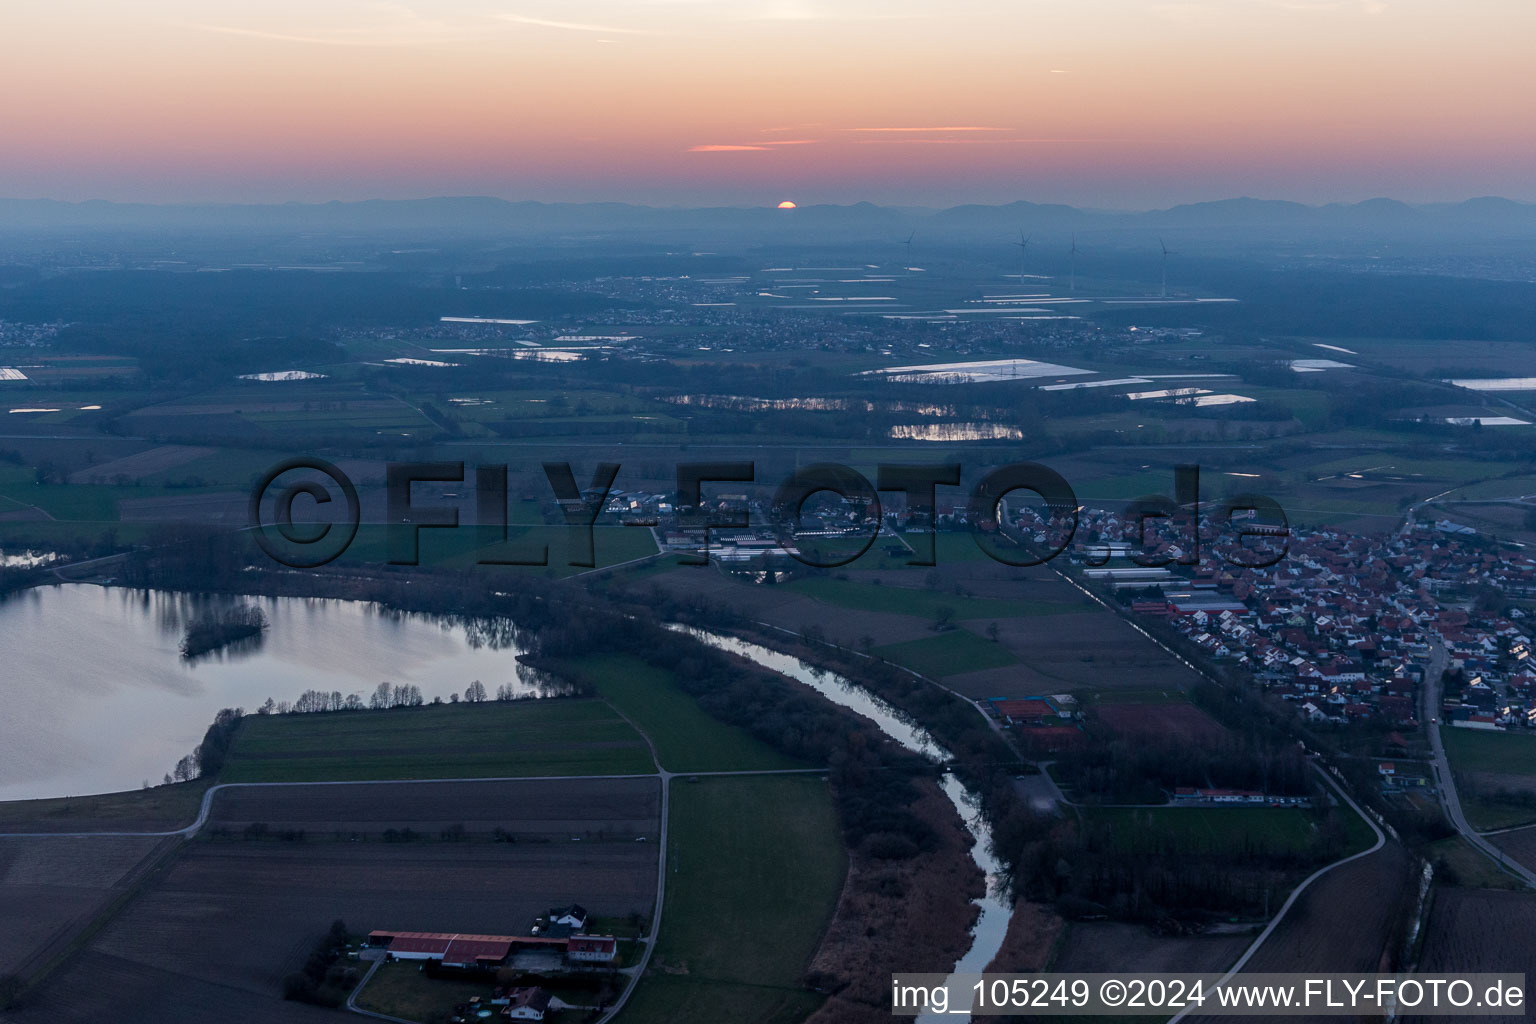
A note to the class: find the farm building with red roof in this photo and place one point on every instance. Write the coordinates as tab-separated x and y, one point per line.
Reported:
593	949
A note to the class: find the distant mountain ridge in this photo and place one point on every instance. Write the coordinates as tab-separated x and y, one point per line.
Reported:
484	214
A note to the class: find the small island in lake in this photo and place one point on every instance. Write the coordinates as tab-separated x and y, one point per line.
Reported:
209	633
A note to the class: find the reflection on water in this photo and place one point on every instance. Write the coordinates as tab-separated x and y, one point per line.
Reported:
97	697
992	925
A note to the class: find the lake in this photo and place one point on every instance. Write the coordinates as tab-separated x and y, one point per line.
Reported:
97	697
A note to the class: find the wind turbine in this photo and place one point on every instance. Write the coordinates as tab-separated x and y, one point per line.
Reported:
1166	253
1073	257
1023	244
908	244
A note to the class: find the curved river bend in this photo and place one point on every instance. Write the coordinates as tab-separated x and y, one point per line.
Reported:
992	925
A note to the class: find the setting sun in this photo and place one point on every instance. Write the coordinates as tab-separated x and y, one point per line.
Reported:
787	204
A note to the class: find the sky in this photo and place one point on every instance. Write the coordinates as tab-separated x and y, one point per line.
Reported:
1113	104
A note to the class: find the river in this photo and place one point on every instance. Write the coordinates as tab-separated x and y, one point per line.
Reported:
992	925
95	696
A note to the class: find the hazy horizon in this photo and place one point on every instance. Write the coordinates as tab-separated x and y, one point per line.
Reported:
767	203
1114	104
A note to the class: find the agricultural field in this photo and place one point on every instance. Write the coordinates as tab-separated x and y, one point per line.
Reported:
1052	658
1142	698
754	869
1470	867
1420	356
1104	946
27	530
780	606
1038	649
283	409
495	739
1520	845
231	918
1484	751
158	809
52	888
1346	921
560	811
466	546
1478	930
1206	829
1486	814
949	548
951	653
158	460
927	604
686	739
1487	764
22	497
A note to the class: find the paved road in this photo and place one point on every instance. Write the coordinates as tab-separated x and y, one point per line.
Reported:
1248	954
1446	782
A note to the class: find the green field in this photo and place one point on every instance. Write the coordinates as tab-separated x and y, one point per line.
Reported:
532	737
403	990
1470	866
82	503
1486	815
41	534
1479	750
754	869
464	547
1141	697
948	654
948	548
1210	829
686	739
873	597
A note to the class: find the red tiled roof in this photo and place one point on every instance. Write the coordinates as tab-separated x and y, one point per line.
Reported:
458	947
592	944
465	950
